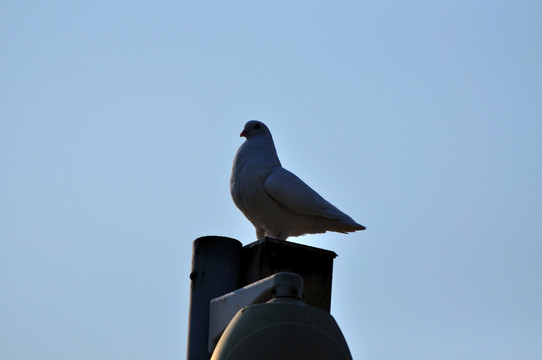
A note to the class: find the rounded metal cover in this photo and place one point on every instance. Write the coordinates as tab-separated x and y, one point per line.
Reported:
284	331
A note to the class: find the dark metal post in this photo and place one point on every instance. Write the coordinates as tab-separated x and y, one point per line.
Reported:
215	272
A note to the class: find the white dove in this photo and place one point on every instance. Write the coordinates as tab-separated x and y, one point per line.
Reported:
277	202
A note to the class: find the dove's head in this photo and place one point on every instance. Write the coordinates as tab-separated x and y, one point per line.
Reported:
255	128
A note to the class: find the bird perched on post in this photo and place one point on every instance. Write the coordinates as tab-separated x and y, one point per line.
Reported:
277	202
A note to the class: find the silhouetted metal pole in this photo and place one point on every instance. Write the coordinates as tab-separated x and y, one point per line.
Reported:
215	272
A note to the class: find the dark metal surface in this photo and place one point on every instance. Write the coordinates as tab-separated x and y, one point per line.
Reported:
215	271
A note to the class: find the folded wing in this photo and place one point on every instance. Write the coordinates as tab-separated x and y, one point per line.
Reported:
291	192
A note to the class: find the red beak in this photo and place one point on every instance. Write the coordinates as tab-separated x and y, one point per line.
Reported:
243	133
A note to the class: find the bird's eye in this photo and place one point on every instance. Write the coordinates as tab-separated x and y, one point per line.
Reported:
257	126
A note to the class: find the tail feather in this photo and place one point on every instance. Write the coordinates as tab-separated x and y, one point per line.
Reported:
342	226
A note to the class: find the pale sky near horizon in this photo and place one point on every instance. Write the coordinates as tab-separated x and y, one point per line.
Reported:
119	121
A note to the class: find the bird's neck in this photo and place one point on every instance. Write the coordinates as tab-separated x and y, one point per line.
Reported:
264	149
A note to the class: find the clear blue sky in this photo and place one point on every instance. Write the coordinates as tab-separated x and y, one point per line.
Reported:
422	120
